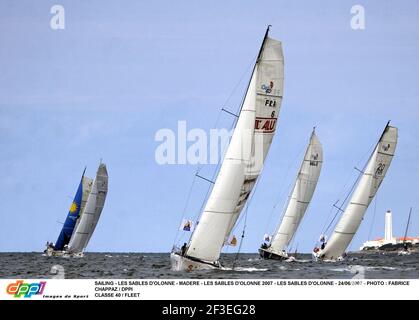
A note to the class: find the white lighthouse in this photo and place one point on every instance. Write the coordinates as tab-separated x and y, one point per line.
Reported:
388	229
388	234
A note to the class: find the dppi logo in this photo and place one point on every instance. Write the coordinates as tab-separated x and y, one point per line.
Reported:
27	290
268	89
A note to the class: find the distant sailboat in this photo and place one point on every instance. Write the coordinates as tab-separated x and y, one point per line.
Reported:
242	163
371	178
83	216
405	250
303	191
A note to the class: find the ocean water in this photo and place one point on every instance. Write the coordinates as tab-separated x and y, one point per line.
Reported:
157	265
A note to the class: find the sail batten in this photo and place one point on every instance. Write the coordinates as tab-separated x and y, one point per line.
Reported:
245	155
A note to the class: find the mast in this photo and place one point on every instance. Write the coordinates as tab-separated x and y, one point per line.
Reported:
263	43
255	64
407	227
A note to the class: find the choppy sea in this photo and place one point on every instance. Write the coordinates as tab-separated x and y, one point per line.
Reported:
157	265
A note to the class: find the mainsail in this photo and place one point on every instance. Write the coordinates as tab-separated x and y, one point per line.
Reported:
87	184
102	190
245	155
71	220
91	213
302	193
367	187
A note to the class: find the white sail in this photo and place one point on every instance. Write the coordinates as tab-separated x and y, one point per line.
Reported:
365	191
90	216
102	179
302	193
269	91
245	155
87	184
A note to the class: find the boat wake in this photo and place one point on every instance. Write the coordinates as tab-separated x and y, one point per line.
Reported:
292	259
244	269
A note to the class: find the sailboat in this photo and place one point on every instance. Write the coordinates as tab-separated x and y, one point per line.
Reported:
370	180
82	217
303	191
242	164
405	250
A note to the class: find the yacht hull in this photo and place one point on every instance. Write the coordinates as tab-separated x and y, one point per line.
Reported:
182	263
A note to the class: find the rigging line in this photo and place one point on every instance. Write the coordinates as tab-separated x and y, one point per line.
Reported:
284	189
241	216
342	192
283	211
185	207
328	219
248	202
348	194
353	240
199	168
407	226
361	173
344	201
242	236
232	126
302	219
280	199
236	119
225	147
253	63
310	178
240	81
256	61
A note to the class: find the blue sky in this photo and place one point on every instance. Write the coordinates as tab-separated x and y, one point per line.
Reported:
116	74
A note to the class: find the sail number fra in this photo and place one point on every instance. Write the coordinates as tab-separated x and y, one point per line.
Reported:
270	103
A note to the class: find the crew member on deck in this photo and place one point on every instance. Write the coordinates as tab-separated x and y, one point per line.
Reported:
183	249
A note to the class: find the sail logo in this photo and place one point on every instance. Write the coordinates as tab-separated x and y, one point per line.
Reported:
27	290
73	207
314	160
268	88
380	169
385	148
266	125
